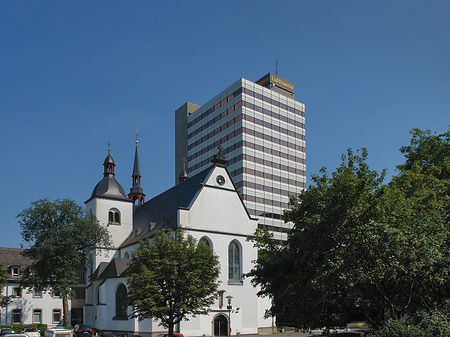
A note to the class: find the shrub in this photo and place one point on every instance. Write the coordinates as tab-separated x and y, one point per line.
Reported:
400	329
18	328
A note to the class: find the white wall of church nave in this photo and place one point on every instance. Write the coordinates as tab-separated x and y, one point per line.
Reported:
106	312
244	294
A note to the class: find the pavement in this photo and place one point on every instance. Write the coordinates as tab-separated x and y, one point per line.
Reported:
291	334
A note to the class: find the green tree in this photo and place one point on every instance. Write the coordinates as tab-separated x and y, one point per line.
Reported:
312	281
361	247
171	276
4	300
429	151
61	236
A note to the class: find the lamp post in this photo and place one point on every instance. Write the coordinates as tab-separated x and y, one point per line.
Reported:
229	307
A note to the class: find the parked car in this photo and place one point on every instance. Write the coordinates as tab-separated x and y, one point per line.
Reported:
83	330
31	332
6	331
16	335
107	334
58	332
176	334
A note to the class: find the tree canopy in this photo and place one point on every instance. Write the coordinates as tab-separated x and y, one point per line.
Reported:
61	236
171	276
3	281
361	248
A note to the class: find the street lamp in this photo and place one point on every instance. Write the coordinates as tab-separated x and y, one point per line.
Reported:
229	307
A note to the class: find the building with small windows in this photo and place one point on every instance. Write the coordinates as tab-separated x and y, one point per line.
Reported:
32	307
262	130
208	207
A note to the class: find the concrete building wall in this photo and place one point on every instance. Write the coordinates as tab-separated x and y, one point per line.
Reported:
27	303
181	116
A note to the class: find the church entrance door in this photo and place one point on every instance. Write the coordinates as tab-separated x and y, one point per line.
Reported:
220	326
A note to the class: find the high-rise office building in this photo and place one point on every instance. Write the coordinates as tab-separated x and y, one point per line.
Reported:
261	128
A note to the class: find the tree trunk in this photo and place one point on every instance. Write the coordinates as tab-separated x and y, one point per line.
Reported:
66	316
171	325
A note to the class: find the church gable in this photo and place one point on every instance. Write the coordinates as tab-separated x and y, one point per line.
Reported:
218	207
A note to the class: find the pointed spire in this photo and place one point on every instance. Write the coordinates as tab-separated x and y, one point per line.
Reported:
136	166
136	192
183	174
108	164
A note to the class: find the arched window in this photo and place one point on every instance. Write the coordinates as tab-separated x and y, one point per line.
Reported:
126	255
206	241
114	216
234	261
121	302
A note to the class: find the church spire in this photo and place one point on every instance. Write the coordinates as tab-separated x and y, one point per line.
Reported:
108	164
183	174
136	192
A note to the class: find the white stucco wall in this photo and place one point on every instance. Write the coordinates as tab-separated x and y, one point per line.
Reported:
100	208
217	213
27	303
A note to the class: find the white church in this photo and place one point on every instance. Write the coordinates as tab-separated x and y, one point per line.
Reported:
209	208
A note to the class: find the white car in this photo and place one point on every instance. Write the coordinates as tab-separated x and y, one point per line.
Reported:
31	332
58	332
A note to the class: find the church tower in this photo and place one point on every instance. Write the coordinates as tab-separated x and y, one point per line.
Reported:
110	204
136	192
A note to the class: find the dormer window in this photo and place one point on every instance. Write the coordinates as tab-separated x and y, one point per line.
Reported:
114	216
15	271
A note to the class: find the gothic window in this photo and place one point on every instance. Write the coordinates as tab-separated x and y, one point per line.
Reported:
206	241
126	255
234	261
121	302
114	216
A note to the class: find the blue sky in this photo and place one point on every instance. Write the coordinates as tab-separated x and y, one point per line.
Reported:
75	75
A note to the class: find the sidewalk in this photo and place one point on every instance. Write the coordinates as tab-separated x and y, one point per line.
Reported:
291	334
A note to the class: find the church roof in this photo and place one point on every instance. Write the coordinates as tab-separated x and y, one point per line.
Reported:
109	187
116	268
136	166
161	211
101	267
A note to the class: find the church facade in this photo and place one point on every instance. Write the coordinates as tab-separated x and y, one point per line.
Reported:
209	208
